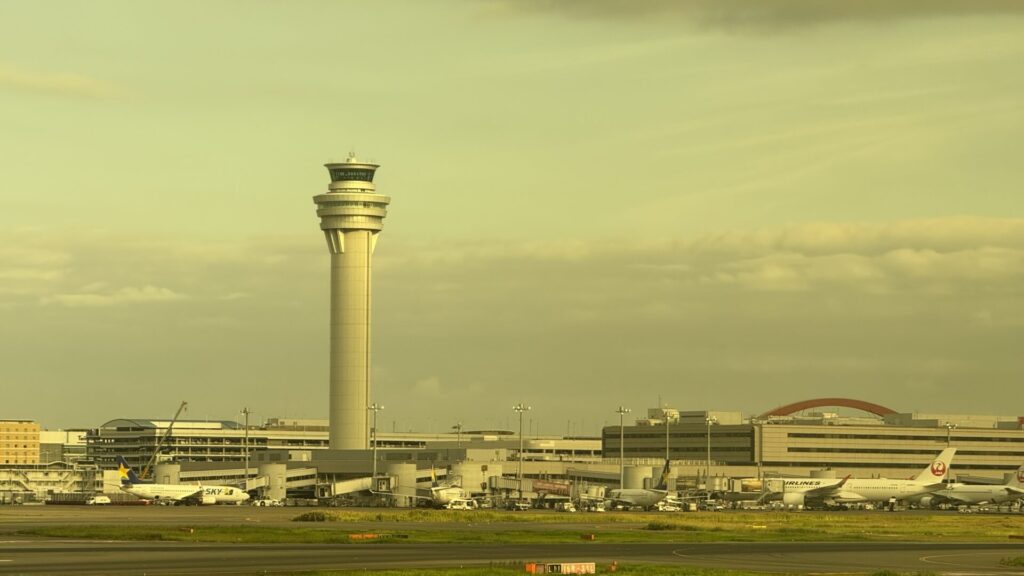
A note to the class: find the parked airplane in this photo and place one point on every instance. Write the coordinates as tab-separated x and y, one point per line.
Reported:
443	493
177	493
798	492
974	494
645	497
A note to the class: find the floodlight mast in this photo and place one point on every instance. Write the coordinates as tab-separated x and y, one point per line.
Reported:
374	408
709	420
622	411
520	408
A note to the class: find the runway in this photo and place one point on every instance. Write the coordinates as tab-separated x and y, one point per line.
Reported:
46	556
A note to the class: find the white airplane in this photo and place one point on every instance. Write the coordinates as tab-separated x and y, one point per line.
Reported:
974	494
444	493
645	497
799	492
441	496
177	493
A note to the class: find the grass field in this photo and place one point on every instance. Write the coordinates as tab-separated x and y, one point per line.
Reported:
526	527
621	570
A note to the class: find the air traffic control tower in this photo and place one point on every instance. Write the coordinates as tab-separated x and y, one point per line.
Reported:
351	215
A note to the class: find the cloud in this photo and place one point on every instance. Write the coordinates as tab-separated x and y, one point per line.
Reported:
55	83
819	307
126	295
236	296
428	386
755	14
27	268
947	254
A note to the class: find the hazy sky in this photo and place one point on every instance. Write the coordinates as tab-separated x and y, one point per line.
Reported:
728	205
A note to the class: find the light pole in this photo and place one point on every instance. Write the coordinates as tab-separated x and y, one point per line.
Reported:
949	428
664	412
373	442
709	420
458	431
520	408
245	447
622	413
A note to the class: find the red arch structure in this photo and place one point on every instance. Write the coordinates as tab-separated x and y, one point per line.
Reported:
819	402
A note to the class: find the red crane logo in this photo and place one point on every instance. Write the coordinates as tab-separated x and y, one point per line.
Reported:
938	468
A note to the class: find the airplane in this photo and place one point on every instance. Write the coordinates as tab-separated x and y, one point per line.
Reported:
974	494
645	497
799	492
444	493
177	493
462	504
441	496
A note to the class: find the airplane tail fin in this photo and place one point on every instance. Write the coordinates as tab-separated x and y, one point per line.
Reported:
938	470
126	473
663	481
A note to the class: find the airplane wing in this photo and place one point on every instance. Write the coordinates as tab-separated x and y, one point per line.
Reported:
1012	490
826	490
191	496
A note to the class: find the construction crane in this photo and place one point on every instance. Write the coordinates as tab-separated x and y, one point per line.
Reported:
160	444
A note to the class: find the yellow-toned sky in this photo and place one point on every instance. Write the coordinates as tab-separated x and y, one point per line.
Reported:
727	205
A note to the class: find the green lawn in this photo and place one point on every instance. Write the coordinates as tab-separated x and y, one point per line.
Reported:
621	570
408	526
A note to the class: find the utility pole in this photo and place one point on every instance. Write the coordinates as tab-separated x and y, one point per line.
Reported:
520	408
622	474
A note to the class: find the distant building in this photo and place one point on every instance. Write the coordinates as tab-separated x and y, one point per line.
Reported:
197	440
37	482
224	441
61	445
19	442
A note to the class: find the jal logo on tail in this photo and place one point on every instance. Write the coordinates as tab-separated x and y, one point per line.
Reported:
938	468
1020	475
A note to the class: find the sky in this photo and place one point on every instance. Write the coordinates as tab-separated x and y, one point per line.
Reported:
595	203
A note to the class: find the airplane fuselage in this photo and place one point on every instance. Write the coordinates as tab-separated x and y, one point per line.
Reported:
637	496
878	490
857	490
179	492
958	493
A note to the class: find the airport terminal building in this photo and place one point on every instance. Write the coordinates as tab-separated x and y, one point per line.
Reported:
702	445
890	445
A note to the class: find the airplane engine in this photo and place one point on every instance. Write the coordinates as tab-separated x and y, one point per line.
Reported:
793	499
926	501
207	500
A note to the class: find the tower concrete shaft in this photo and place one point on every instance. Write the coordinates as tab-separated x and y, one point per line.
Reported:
351	215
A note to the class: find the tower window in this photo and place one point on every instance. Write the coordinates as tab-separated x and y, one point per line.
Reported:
362	175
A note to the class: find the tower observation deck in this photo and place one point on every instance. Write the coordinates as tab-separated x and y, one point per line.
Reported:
351	215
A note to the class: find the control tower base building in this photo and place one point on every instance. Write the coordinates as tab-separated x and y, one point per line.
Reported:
351	216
